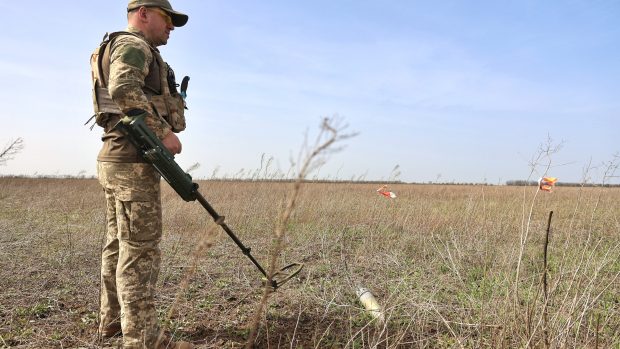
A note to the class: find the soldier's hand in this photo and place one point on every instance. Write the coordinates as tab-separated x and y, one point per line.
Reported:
172	143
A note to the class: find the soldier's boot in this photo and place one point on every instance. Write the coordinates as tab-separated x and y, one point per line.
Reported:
111	330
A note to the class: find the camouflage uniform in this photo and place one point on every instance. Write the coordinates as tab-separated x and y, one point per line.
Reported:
131	256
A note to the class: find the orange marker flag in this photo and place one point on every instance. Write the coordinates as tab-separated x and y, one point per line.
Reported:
384	191
547	183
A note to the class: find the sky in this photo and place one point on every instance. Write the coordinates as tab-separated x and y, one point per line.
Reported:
462	91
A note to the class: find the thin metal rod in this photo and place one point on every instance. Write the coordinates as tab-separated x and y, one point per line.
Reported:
219	220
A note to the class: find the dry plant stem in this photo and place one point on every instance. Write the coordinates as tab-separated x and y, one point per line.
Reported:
296	325
445	322
545	151
10	150
586	300
545	285
610	169
352	336
327	137
591	300
102	240
598	319
584	181
323	335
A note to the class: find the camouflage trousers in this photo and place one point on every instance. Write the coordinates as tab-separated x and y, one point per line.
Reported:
131	256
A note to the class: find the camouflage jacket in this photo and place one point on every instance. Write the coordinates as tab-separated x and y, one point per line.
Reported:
133	74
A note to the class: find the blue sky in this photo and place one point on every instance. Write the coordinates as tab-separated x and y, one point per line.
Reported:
456	90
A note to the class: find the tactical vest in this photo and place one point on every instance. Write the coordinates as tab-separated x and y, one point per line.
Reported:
159	87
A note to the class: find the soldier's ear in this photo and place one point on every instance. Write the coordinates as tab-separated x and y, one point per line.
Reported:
138	14
142	13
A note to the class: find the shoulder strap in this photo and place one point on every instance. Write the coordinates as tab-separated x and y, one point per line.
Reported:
102	48
103	59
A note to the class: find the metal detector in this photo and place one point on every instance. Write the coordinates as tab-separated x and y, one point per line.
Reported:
154	152
280	277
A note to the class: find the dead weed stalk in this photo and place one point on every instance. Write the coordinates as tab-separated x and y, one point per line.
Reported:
310	158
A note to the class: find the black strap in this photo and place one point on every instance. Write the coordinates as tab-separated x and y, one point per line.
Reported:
107	39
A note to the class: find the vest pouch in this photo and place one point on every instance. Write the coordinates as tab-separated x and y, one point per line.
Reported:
101	119
171	109
176	103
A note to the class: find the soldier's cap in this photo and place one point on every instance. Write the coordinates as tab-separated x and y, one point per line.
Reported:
178	19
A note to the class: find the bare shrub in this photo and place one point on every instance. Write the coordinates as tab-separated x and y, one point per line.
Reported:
10	150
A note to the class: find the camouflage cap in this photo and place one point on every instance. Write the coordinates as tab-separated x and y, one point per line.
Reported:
178	19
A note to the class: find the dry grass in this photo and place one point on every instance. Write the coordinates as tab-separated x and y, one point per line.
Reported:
441	260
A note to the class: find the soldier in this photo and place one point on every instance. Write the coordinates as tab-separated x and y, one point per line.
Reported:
130	78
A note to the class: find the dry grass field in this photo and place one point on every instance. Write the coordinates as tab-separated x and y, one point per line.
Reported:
452	266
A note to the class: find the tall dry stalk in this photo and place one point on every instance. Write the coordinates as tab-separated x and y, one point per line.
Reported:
311	158
584	300
542	158
545	283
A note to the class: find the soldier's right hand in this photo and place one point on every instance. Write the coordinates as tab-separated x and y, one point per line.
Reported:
172	143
